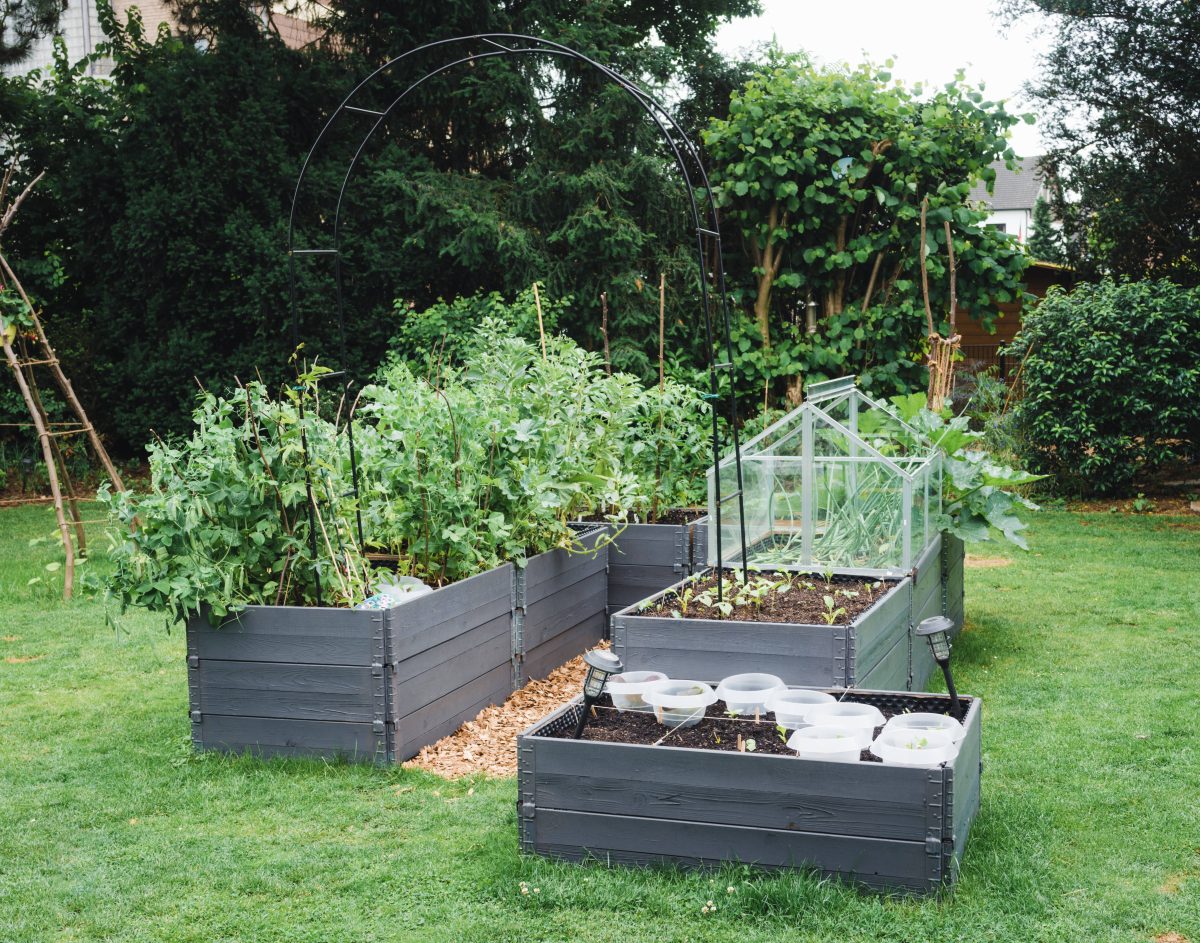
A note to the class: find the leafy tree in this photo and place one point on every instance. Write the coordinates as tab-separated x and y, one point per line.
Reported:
823	172
157	238
1120	94
1045	242
22	22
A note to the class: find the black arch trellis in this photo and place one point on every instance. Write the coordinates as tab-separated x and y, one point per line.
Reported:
490	45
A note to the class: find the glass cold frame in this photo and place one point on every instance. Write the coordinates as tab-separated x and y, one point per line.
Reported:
840	483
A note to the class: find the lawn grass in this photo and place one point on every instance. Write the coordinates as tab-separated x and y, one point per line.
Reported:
111	829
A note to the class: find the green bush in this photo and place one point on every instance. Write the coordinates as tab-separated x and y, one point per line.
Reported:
1112	382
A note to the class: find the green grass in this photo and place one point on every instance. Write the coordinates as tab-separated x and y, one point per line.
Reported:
110	829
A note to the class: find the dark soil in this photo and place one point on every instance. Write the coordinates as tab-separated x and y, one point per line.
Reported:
799	605
716	732
667	516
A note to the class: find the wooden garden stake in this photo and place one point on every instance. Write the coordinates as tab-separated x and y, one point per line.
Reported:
537	303
604	332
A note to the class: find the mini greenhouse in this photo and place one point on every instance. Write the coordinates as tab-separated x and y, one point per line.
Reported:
840	483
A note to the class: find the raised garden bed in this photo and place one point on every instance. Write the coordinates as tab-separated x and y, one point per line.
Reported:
646	558
886	827
377	685
871	649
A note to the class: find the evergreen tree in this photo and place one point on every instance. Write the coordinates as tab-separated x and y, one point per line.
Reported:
1045	243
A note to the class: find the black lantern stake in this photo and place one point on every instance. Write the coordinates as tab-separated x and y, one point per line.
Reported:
601	663
936	630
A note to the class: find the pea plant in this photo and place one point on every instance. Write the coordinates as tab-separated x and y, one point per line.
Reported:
226	521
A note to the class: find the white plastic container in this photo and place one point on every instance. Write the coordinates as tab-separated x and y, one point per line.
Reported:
923	721
744	693
789	707
626	689
828	742
682	702
913	747
862	718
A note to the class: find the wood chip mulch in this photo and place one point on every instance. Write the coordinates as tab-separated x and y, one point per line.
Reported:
487	744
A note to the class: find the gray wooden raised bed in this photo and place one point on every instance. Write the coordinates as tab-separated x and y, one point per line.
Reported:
560	607
937	590
872	651
886	827
646	558
377	685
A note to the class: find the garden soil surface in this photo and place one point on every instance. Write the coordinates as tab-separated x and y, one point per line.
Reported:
716	731
799	605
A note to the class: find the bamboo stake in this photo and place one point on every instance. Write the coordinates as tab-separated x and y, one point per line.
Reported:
604	332
537	301
72	503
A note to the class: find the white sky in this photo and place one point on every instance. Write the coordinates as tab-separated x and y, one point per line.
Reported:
929	40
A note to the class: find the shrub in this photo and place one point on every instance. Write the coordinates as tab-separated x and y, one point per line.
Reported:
1112	382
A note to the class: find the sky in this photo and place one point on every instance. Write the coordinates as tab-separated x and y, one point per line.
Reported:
930	40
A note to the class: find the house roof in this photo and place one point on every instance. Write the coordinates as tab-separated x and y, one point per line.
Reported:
1014	189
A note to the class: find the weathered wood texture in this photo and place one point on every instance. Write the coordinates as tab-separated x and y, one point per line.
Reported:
887	827
926	601
800	654
646	558
289	681
560	606
449	657
953	562
379	685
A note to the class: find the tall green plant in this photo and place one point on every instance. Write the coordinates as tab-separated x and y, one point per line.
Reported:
225	521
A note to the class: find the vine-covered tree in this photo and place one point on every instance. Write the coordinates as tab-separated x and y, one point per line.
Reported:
1120	96
824	173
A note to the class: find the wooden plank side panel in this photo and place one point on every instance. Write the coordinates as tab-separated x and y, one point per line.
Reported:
446	613
890	673
875	631
651	545
564	646
966	776
436	672
272	736
632	840
713	649
953	565
288	634
310	692
561	611
418	728
629	585
547	573
776	792
929	603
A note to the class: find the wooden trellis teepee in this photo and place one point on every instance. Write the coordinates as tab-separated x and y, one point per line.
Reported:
26	350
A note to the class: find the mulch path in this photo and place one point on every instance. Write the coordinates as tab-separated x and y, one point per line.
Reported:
488	744
799	605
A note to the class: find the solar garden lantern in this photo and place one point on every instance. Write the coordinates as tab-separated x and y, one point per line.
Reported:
600	664
936	631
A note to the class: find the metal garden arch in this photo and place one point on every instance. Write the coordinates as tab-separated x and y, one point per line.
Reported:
465	50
